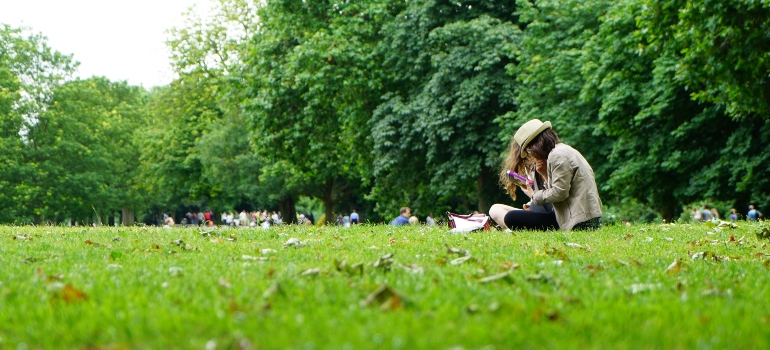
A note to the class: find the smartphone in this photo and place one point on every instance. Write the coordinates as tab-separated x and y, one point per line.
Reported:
519	179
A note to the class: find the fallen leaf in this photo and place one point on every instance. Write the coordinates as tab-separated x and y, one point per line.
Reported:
310	272
509	266
643	287
505	276
673	268
458	251
384	262
254	258
293	242
70	294
460	261
575	245
274	289
385	298
412	268
343	266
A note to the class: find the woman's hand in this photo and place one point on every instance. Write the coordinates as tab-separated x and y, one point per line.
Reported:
528	190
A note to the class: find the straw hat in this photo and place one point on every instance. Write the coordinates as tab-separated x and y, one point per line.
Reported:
527	132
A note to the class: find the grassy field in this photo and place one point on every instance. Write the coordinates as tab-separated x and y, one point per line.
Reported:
639	286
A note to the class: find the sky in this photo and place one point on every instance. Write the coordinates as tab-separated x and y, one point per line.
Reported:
118	39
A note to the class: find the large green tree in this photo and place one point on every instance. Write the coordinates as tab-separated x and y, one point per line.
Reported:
29	71
198	151
436	144
82	151
313	82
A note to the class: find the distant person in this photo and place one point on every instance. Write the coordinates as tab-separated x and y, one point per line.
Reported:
705	213
402	219
168	222
339	220
346	220
696	215
753	214
243	219
430	221
354	217
200	217
733	215
715	214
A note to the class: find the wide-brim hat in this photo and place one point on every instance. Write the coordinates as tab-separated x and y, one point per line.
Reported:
529	131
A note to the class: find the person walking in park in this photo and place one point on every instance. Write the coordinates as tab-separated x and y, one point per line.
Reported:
354	217
705	213
753	214
402	219
733	215
562	178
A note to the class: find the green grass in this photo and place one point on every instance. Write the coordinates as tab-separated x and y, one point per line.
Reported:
134	288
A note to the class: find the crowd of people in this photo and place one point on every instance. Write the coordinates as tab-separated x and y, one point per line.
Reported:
229	218
706	213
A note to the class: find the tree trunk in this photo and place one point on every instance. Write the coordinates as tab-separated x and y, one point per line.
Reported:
288	210
483	206
329	211
128	218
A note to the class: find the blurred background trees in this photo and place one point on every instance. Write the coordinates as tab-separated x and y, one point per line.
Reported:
373	105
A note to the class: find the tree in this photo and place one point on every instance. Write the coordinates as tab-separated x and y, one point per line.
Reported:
82	150
191	112
313	83
29	71
436	142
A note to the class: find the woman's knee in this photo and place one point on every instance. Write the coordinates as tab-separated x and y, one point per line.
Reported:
497	212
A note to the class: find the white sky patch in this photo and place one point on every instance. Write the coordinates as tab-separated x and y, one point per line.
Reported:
121	40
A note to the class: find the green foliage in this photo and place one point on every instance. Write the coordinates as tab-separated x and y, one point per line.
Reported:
82	150
614	90
721	48
374	286
376	105
312	86
435	136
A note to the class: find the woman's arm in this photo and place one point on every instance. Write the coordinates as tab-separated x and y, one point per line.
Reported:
561	171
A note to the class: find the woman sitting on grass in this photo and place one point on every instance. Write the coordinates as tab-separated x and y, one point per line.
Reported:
564	193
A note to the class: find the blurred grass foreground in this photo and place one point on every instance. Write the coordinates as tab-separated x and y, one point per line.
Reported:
414	287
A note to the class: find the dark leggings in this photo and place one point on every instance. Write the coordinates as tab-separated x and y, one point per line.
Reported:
530	220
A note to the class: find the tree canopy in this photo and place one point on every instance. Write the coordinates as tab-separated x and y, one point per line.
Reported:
375	105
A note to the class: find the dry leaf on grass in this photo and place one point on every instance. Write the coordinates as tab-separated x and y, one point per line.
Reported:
384	262
458	251
311	272
293	242
385	298
460	261
505	276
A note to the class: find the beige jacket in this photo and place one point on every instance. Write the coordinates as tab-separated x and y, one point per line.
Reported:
571	188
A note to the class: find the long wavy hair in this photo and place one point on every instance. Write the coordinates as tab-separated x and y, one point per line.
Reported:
513	161
538	148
